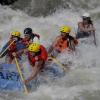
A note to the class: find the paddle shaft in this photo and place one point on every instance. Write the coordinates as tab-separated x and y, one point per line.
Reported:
94	39
22	78
58	63
7	48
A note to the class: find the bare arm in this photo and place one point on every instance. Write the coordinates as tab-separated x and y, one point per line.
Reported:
86	28
53	45
35	70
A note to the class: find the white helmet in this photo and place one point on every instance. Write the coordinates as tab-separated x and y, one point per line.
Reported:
86	15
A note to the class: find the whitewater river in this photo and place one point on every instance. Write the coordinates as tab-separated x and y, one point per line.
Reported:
82	81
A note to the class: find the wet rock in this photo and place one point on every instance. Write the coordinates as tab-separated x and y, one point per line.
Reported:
7	2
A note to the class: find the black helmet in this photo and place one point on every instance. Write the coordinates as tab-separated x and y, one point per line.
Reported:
28	31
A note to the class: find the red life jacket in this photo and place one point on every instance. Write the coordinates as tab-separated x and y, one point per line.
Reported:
42	55
61	45
12	48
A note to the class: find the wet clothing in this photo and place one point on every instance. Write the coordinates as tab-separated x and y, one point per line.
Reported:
14	47
63	43
41	55
81	33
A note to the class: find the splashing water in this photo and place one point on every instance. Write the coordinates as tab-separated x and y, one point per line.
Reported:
81	82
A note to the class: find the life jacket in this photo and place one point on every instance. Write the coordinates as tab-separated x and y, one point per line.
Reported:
42	54
16	46
60	45
12	47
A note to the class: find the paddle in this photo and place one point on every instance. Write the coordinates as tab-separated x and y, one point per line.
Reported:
22	78
94	39
7	48
0	40
58	63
